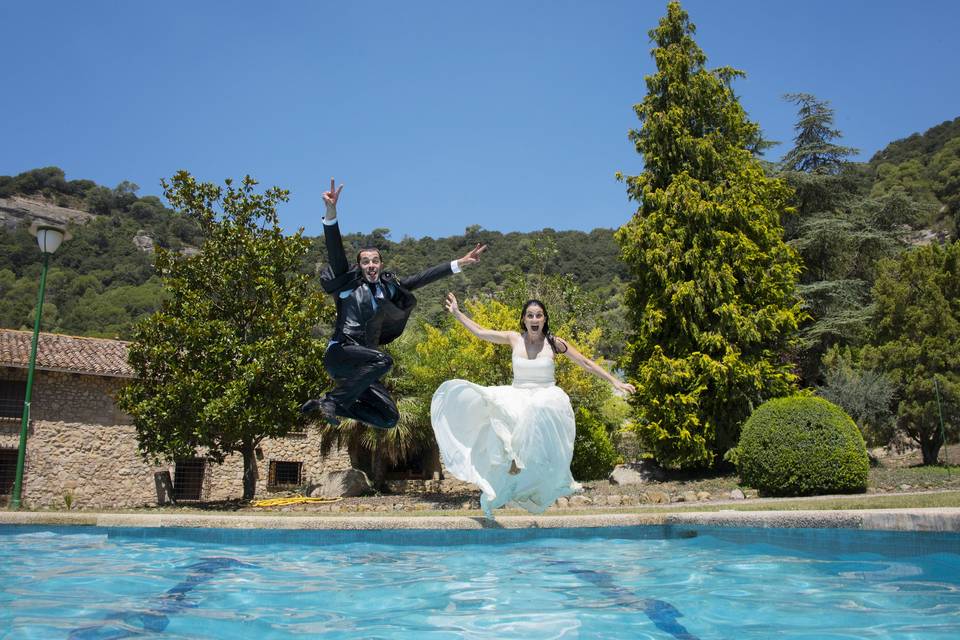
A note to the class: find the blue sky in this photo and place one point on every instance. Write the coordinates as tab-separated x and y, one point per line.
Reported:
435	114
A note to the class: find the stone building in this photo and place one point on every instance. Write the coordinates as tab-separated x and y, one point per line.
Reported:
82	450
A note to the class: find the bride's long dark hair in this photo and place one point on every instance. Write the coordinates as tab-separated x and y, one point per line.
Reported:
546	323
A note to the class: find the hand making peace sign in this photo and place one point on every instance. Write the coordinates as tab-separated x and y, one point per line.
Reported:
473	255
330	197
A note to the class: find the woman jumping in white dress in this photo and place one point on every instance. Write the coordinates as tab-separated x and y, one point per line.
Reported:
514	442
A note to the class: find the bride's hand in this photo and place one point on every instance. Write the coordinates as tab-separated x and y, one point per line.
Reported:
451	303
625	387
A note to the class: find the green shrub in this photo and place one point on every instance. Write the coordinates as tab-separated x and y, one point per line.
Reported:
801	445
866	395
594	455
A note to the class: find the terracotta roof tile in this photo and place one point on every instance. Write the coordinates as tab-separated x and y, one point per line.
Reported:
55	352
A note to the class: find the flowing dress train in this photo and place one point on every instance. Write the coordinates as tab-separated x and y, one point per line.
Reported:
481	430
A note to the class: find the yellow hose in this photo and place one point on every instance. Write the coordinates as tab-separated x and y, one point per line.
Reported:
282	502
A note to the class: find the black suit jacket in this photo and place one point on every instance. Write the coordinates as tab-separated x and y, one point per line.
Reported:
359	321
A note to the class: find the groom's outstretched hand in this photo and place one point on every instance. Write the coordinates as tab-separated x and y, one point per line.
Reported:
472	256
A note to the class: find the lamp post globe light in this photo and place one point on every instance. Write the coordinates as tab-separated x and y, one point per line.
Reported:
49	239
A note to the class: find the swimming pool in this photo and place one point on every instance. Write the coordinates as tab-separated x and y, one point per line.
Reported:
686	582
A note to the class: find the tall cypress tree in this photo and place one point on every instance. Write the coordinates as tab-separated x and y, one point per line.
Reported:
711	296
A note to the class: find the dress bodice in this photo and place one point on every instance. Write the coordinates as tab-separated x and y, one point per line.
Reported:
538	372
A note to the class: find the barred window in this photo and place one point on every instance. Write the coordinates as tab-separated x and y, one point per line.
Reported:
8	470
284	474
12	394
188	478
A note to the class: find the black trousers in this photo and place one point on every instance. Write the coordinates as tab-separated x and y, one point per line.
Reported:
358	392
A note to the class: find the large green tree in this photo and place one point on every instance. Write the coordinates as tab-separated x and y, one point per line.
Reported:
814	149
917	341
839	232
230	355
711	291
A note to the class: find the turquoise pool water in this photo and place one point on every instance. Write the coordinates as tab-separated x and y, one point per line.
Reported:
90	583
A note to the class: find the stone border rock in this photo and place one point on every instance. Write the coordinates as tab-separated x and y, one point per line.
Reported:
932	519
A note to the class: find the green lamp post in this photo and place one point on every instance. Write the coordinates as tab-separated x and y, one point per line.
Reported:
49	239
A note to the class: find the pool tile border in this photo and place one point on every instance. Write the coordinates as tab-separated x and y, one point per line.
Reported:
942	519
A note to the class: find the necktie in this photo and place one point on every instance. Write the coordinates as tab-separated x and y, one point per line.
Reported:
376	291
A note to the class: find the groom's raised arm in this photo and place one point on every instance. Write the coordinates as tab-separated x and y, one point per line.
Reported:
331	232
447	268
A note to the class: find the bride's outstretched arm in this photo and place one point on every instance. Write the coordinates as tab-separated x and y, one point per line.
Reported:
589	365
497	337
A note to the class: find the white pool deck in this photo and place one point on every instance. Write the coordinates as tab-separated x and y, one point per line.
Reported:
940	519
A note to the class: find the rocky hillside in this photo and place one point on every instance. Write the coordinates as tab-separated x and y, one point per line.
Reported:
19	210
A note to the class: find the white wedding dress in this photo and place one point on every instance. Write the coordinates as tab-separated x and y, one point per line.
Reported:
481	430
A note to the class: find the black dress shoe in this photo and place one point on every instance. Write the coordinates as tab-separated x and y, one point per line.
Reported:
326	409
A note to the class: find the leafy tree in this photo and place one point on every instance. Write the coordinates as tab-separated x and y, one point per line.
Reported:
18	299
839	233
711	291
18	249
909	177
813	148
230	355
101	257
917	322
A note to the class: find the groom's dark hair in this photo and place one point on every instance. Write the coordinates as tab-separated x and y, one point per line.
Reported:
377	249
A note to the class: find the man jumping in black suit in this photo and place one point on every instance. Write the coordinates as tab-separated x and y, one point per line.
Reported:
372	310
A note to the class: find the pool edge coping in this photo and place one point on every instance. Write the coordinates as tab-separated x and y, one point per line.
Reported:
934	519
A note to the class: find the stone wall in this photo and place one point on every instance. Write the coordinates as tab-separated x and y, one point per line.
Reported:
224	482
79	444
448	484
71	397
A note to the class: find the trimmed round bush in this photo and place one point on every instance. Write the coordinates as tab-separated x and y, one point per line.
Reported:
800	446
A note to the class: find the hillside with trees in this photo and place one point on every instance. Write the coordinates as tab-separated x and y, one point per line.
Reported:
102	280
925	167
